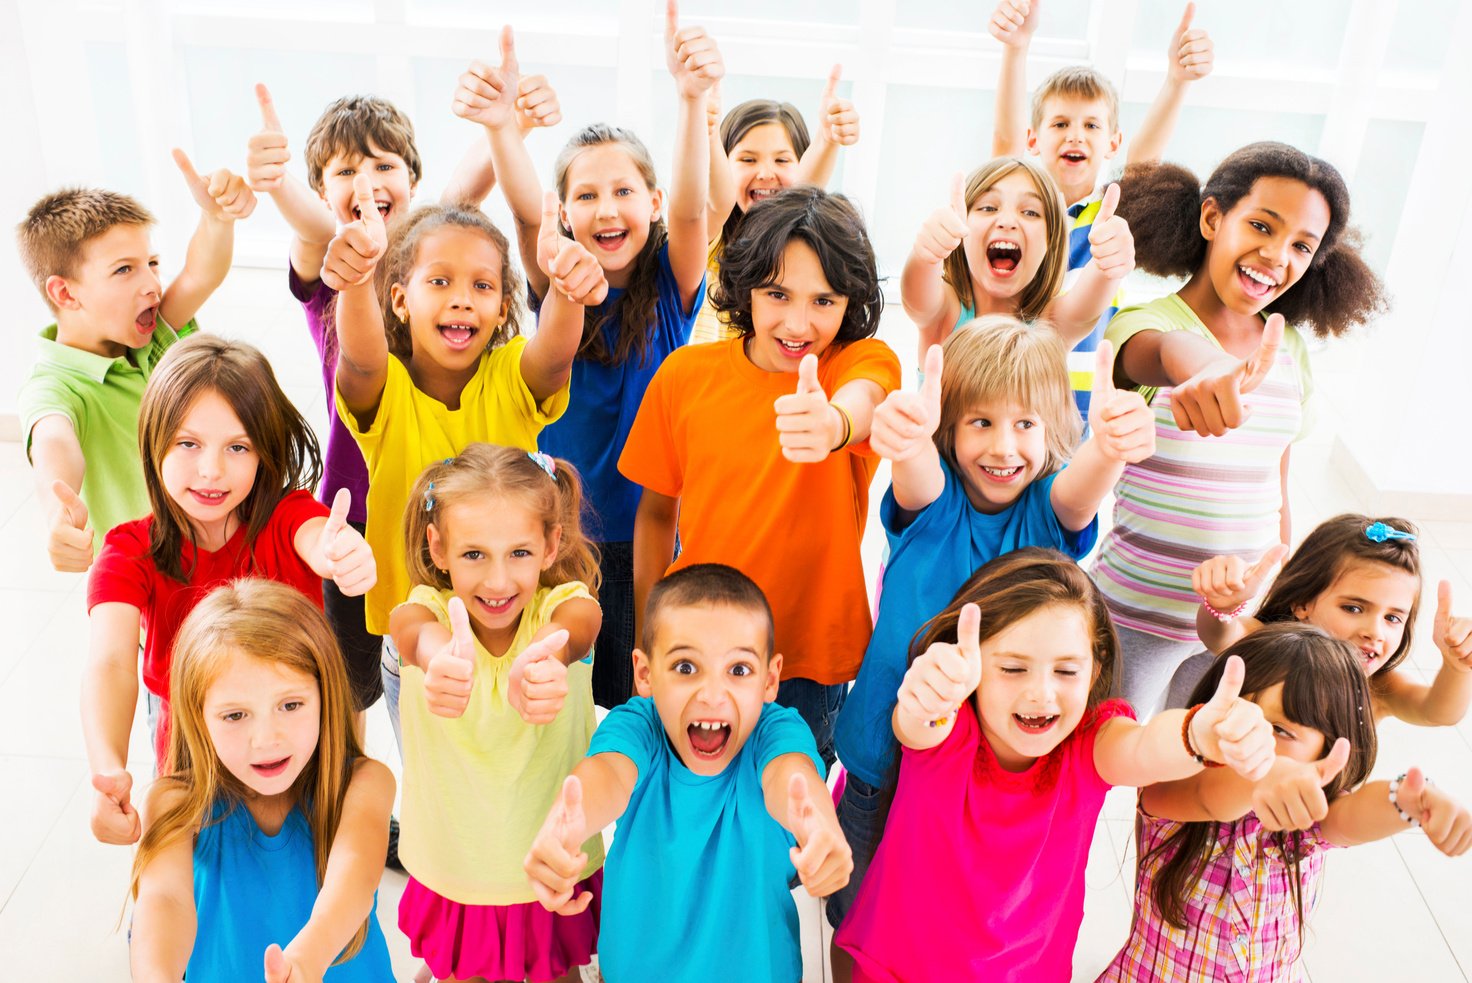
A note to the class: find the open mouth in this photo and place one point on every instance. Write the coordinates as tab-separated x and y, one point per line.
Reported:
457	334
1002	474
271	769
1369	657
1256	283
610	240
708	738
383	209
1034	725
147	320
795	349
495	606
1002	256
761	194
208	496
1074	157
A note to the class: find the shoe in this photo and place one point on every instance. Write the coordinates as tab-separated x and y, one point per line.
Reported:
392	860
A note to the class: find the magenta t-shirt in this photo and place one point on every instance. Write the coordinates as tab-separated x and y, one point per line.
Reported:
980	875
342	464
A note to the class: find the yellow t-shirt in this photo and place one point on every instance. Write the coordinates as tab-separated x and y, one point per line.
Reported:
412	430
478	787
708	324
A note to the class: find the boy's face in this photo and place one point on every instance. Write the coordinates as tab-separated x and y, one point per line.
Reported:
393	183
111	303
709	676
796	315
1074	140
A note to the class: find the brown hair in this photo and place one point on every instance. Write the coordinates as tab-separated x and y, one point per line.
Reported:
1323	688
637	310
1076	82
998	358
746	117
284	443
350	125
488	470
276	624
55	231
1326	552
1035	297
706	584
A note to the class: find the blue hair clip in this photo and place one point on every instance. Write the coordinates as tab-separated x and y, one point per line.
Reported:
429	498
1379	532
545	462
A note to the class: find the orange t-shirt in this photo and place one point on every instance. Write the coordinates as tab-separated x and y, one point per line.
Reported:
706	433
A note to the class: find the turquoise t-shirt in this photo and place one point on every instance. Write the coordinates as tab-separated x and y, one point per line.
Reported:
700	853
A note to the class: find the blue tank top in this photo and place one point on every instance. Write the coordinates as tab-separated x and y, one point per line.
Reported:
251	889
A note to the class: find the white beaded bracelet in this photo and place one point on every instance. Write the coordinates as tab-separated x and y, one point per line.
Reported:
1394	789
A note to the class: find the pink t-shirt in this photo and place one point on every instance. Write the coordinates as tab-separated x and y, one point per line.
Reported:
980	875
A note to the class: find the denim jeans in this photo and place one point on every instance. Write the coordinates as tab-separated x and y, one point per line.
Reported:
388	667
613	653
819	705
859	818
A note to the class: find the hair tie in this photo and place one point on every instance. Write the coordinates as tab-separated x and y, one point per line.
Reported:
545	462
429	498
1379	532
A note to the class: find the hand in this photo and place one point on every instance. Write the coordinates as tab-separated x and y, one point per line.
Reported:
1210	402
536	686
223	196
355	251
713	109
556	860
1189	56
70	541
1444	820
266	154
946	227
487	95
1111	244
350	562
1014	21
1233	731
449	675
691	54
905	423
572	269
838	121
537	103
822	856
808	426
281	969
1291	796
1452	635
1121	422
945	675
114	820
1227	582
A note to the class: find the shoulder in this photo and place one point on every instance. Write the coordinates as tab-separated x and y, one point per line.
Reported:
296	508
131	538
437	601
865	358
1168	313
373	779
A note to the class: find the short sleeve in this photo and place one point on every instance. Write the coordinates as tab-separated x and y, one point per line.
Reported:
504	374
293	512
632	729
1088	730
123	571
393	401
651	455
781	730
46	395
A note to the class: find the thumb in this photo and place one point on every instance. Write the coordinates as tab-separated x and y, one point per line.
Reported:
968	636
546	648
363	199
277	968
550	235
1185	24
1442	622
671	19
1230	686
1258	572
799	803
572	821
1408	795
807	376
337	519
115	786
831	89
1108	205
184	164
508	52
75	508
1262	360
1103	374
958	194
1334	762
461	637
269	119
934	369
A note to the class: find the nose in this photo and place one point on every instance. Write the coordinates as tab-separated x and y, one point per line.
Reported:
605	207
1276	251
1039	688
495	578
266	732
712	691
1004	441
210	463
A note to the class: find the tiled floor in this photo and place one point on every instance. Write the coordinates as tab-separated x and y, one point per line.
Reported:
1394	910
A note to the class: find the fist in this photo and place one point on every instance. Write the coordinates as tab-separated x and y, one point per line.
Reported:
1014	22
945	229
945	675
266	154
354	252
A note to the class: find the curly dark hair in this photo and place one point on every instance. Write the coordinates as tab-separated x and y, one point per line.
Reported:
827	222
1162	203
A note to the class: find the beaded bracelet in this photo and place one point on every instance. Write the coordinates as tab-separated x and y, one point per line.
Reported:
1223	616
848	426
1394	789
1199	758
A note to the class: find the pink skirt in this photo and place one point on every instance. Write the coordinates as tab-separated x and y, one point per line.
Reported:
499	942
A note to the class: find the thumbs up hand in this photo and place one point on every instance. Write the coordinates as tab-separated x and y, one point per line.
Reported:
838	121
536	103
556	860
536	686
69	542
691	54
944	676
1111	244
266	154
809	428
282	969
1121	423
1453	635
1210	402
906	421
114	820
348	558
1228	582
354	252
450	673
946	228
573	270
1444	820
222	195
1014	22
822	856
1189	56
487	95
1232	731
1291	795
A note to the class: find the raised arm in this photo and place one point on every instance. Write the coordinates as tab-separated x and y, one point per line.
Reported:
576	282
223	198
536	686
695	63
1445	701
722	192
593	796
1188	58
1112	249
904	434
109	700
336	551
798	799
161	937
536	105
1375	811
1013	23
352	256
58	467
942	678
654	547
1227	584
838	126
310	219
1289	796
929	302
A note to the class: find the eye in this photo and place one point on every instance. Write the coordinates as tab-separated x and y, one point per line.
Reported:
521	554
1259	226
824	301
484	285
623	192
1066	673
1304	248
1026	424
1032	213
1013	670
386	166
239	448
980	423
1282	732
233	716
438	281
740	669
153	264
123	270
291	705
345	172
986	208
472	555
1351	609
186	443
1061	124
1394	619
775	294
1091	126
586	196
685	667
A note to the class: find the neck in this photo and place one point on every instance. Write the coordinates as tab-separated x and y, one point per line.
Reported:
984	303
1079	192
1230	327
496	641
213	536
79	337
269	811
436	381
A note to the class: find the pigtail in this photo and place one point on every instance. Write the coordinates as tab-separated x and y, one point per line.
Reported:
1337	292
423	508
1162	204
577	557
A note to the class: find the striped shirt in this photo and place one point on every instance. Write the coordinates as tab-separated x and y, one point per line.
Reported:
1242	923
1198	497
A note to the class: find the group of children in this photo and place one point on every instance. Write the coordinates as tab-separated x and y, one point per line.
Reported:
513	525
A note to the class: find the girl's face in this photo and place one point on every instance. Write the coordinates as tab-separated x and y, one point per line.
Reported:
211	468
393	183
609	208
263	718
495	552
1367	606
1008	237
762	164
1001	449
1297	741
1263	245
452	298
797	314
1035	680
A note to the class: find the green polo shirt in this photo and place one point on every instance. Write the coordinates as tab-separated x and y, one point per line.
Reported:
101	397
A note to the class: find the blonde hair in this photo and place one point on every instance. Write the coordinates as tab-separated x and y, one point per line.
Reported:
1048	280
275	624
506	472
58	227
1076	82
1001	359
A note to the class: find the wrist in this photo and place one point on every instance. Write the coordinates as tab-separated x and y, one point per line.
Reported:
1408	815
1225	614
842	431
1194	743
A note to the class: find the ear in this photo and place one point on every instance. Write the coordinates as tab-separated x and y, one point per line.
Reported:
1300	612
1032	141
59	292
436	547
1114	143
554	542
774	677
657	196
398	301
643	684
1211	219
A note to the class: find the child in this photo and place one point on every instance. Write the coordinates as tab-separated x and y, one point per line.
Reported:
355	133
1268	237
981	465
496	709
718	795
1225	893
724	444
1074	131
228	464
1359	579
89	253
652	248
270	827
1010	747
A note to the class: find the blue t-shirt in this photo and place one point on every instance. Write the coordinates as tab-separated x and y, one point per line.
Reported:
251	889
701	853
929	560
604	401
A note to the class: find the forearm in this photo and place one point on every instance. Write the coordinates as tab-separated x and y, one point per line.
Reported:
818	163
606	791
690	186
654	547
206	263
109	700
474	176
918	734
522	189
1078	491
53	459
1218	635
858	398
923	294
1156	358
546	362
1075	313
308	215
362	349
776	783
722	187
1127	753
918	481
1216	795
161	939
1148	143
415	630
581	618
1446	699
1009	131
1362	816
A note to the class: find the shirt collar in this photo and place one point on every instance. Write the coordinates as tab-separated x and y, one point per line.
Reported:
49	351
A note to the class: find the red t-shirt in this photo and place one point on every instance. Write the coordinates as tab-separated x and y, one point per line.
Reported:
125	572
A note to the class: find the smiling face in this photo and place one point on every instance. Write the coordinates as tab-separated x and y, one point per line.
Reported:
112	300
1000	449
393	183
453	296
1035	679
609	207
797	314
210	469
263	719
1263	246
762	163
1367	606
1074	140
709	676
1007	239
